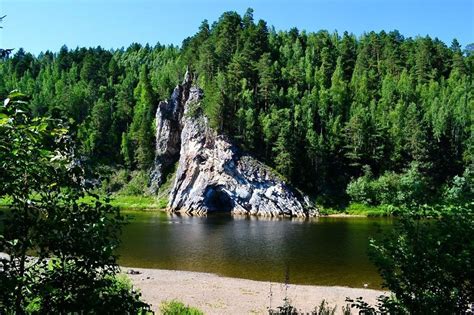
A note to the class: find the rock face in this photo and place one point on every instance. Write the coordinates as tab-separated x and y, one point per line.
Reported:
212	173
168	132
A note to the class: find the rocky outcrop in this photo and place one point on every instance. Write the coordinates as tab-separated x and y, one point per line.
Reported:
168	132
213	175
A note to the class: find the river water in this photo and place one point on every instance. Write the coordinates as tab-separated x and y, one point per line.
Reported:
319	251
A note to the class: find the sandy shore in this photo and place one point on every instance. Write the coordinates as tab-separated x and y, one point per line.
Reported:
221	295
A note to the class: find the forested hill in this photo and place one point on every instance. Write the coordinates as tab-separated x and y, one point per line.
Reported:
385	118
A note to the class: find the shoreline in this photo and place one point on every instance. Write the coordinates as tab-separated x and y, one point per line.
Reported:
214	294
164	210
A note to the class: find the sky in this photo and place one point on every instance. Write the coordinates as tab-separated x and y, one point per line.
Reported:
40	25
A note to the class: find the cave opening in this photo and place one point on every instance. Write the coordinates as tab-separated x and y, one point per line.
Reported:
217	199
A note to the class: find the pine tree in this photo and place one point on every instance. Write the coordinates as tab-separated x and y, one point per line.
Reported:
141	127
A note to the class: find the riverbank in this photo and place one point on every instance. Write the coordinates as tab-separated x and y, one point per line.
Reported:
150	203
214	294
359	210
125	202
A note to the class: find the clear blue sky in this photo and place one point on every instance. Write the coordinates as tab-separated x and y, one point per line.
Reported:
39	25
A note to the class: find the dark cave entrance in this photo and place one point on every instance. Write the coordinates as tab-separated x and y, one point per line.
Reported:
216	199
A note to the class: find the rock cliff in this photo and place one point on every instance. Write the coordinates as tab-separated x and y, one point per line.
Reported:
213	175
168	132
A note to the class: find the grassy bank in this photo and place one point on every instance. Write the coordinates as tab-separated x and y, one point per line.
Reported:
135	202
139	202
358	209
121	201
159	203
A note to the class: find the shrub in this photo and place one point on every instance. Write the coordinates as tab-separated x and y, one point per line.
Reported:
413	187
408	188
137	184
461	188
75	266
178	308
427	264
117	180
362	190
386	188
322	309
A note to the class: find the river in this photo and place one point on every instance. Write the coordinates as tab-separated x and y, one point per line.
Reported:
318	251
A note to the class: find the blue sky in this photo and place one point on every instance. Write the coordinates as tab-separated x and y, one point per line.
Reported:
39	25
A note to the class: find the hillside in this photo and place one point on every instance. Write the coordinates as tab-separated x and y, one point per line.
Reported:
379	119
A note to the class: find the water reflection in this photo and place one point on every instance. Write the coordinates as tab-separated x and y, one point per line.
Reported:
325	251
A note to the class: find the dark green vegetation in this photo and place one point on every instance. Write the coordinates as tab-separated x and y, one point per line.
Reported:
380	119
427	263
74	267
178	308
323	309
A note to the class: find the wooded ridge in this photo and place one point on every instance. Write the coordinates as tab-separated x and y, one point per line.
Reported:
377	119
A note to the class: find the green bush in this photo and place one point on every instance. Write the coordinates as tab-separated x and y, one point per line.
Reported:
386	188
75	269
178	308
322	309
370	211
117	180
408	188
413	187
426	263
137	185
461	188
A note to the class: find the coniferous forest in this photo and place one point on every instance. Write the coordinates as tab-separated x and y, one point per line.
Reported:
376	119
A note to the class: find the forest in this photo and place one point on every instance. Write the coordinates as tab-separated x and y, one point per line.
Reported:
377	119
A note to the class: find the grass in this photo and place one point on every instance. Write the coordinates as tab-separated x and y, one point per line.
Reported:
135	202
160	202
360	210
4	202
178	308
121	201
139	202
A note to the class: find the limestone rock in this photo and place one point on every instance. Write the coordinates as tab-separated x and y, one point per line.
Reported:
213	175
168	132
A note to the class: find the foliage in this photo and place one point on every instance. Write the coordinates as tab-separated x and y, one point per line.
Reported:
178	308
426	263
73	243
116	181
461	188
322	309
370	211
408	188
136	185
285	309
325	309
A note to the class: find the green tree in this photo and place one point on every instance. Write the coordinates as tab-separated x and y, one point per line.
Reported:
426	264
141	127
74	268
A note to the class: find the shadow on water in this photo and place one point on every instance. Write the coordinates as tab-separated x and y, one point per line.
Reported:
318	251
